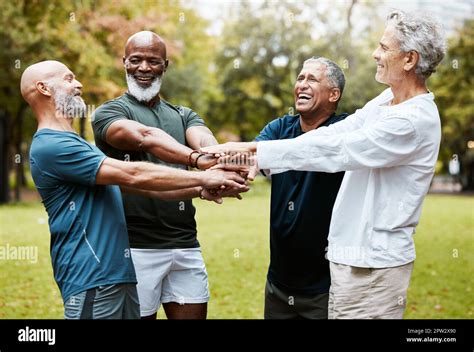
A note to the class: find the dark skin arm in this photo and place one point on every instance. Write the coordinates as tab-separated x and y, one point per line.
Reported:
132	135
153	177
181	194
186	193
199	137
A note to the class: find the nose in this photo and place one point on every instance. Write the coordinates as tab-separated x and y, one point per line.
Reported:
144	66
78	84
303	83
375	54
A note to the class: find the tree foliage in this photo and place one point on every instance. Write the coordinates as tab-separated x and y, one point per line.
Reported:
238	80
452	86
261	51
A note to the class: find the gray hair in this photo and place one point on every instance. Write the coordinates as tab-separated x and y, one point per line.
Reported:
420	34
334	73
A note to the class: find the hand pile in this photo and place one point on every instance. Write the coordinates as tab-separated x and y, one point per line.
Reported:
232	164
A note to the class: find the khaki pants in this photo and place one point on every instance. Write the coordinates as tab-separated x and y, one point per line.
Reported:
367	293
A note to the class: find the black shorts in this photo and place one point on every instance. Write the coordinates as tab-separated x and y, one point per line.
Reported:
280	304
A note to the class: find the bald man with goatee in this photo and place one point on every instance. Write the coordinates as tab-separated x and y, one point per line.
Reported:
140	125
79	186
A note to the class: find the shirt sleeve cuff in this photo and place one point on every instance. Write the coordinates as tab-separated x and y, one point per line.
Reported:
265	155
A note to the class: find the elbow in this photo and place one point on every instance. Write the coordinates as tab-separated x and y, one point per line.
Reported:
124	138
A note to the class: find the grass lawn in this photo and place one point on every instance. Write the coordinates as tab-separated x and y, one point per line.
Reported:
234	239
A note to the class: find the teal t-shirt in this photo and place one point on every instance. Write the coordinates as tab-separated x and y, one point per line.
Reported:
89	241
151	222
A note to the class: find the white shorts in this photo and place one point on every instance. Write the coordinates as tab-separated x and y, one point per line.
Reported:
169	275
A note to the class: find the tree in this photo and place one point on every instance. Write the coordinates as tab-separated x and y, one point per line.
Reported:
452	86
89	37
262	49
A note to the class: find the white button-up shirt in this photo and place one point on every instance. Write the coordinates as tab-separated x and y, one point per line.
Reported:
389	153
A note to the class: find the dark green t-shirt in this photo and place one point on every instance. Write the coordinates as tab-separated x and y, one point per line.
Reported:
151	222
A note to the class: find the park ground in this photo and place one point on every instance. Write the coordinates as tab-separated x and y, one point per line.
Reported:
234	239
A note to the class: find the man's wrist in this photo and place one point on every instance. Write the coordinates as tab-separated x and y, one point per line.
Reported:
192	159
201	189
197	160
207	162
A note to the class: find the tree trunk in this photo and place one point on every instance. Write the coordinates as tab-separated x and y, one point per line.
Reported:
469	186
18	159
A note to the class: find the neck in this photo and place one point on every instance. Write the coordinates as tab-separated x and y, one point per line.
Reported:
149	103
153	101
312	121
50	119
407	89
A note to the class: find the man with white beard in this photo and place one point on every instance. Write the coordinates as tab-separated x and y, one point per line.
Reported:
90	250
139	125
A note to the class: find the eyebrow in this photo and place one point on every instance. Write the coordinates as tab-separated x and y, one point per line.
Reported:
69	75
384	45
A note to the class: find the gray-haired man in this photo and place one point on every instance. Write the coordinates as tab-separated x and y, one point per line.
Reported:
298	277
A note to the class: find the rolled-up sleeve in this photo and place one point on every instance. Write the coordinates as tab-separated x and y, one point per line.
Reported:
388	142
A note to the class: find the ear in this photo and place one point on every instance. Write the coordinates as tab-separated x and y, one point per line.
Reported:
43	88
334	95
411	60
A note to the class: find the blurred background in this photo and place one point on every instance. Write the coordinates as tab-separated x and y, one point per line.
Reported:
235	63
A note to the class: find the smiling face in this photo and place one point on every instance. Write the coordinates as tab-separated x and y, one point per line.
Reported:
313	92
145	63
145	58
66	91
390	59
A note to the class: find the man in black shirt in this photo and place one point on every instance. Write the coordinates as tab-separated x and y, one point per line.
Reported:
298	278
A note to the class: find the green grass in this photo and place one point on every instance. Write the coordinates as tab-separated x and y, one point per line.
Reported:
234	239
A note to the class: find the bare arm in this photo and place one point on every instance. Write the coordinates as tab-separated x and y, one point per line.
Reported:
181	194
154	177
132	135
199	137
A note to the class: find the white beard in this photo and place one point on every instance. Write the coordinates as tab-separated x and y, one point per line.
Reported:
143	94
69	105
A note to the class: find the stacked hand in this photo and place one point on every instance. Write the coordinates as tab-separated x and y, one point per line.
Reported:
235	156
230	148
236	163
219	183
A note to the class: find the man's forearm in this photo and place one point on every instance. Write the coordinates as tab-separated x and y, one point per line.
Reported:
153	177
180	194
131	135
163	146
207	140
